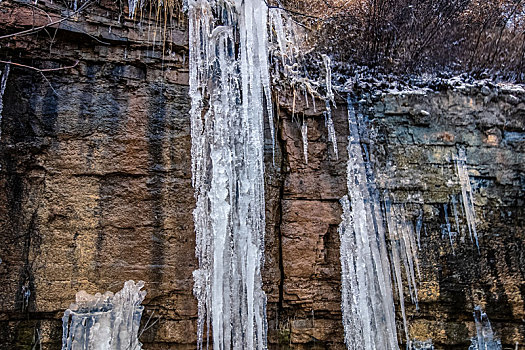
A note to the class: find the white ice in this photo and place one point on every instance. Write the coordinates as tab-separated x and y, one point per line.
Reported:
104	321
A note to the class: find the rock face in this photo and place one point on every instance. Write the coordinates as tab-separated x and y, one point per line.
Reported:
96	190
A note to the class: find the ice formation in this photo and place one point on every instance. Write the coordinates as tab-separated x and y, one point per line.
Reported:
421	345
484	339
304	136
3	83
466	195
447	228
328	100
230	95
104	321
403	253
132	6
367	299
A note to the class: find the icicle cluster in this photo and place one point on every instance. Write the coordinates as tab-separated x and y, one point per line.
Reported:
133	5
3	83
367	299
403	252
230	94
484	339
466	195
104	321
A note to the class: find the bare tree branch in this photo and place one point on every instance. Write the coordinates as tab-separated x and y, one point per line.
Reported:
37	29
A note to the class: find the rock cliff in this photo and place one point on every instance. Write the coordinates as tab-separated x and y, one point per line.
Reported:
96	189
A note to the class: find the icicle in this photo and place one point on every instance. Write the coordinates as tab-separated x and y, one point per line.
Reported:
229	89
419	224
396	260
104	321
448	227
367	300
484	339
466	193
304	135
3	83
132	6
455	210
330	99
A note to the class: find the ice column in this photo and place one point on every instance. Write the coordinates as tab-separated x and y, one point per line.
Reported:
367	299
104	321
230	95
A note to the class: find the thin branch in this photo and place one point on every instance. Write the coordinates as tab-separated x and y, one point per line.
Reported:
40	69
34	30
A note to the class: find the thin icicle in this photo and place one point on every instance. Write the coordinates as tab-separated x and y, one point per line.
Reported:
466	193
403	252
3	84
330	99
396	260
447	228
419	224
304	135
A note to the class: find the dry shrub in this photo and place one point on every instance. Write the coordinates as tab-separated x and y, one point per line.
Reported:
482	37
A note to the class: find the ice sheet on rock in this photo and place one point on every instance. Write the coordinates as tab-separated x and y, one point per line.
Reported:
367	299
329	99
484	339
104	321
466	195
230	94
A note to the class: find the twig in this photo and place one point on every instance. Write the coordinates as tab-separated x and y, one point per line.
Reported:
39	69
34	30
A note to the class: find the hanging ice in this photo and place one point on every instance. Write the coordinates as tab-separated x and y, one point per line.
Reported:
230	94
3	83
403	253
367	300
132	6
421	345
484	339
104	321
330	99
304	136
466	194
447	228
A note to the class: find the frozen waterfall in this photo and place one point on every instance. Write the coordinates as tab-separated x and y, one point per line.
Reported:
230	95
367	299
104	321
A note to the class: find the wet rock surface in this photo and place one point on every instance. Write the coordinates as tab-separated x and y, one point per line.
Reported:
96	190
